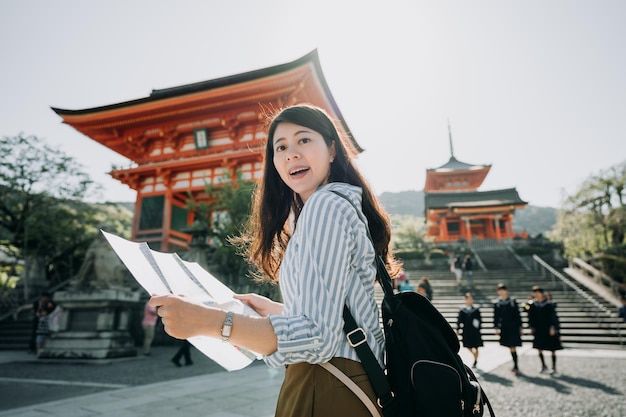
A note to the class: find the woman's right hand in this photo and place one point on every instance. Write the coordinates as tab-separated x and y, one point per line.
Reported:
262	305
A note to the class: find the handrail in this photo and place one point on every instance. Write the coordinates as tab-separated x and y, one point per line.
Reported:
567	283
517	257
596	275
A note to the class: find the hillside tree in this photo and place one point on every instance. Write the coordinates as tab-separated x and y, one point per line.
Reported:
592	221
42	218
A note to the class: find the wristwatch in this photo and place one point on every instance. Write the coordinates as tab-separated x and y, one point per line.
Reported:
227	327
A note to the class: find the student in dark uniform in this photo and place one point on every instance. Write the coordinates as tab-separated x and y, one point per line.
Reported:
468	326
508	323
544	325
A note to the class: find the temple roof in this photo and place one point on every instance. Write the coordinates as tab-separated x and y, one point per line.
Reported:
230	80
472	199
113	125
455	165
454	174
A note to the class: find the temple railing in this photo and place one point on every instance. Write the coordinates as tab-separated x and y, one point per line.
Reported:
596	275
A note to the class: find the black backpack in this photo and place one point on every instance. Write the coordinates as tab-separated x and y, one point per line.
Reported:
425	376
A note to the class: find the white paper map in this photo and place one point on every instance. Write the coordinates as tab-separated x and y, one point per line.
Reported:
166	273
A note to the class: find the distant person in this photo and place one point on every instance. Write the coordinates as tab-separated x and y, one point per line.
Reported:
428	287
399	279
43	329
148	323
544	325
184	351
508	323
422	290
468	267
468	325
46	304
406	286
621	312
457	268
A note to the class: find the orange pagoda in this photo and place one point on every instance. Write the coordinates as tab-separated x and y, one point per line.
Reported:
455	210
179	139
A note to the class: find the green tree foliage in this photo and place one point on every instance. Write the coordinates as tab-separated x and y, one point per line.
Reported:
409	232
42	219
224	212
592	221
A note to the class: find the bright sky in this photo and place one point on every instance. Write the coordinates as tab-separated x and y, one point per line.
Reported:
535	88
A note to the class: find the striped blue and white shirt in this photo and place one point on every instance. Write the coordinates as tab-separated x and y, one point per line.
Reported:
329	262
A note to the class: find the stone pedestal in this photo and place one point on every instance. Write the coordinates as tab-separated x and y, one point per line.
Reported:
94	325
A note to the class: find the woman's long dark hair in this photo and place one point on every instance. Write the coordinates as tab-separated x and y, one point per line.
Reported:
265	239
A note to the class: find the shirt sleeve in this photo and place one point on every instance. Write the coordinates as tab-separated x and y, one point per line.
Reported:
321	262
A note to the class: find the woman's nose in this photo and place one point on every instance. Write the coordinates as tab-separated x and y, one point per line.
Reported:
292	154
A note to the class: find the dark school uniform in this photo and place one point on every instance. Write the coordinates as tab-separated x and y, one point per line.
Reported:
468	324
542	317
507	319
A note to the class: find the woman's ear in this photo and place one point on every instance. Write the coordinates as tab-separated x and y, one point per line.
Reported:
333	152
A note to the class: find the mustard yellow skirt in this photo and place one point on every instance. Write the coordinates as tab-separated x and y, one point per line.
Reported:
311	391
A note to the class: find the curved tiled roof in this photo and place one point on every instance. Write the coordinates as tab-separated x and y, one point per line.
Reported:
455	165
466	199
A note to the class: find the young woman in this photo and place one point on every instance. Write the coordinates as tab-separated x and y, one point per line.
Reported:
314	244
508	323
544	326
469	323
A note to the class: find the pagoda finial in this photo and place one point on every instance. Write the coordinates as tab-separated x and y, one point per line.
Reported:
450	136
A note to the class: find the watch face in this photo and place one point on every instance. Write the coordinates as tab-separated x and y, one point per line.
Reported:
228	326
226	331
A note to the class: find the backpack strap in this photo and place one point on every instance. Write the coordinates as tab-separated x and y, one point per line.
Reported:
353	387
358	340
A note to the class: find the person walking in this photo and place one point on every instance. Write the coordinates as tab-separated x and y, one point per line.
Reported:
621	311
468	326
313	243
468	268
508	323
150	318
544	326
457	268
184	351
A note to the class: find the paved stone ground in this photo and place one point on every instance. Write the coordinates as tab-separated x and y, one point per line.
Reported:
80	378
590	384
585	387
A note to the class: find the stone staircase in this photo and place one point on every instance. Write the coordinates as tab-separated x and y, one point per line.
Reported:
579	318
15	333
580	326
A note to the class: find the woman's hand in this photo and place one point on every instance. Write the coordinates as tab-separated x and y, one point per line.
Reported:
262	305
183	317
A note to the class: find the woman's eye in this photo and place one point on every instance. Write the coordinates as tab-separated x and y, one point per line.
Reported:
305	140
280	148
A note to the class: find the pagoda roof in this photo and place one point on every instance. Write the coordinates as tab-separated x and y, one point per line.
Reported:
454	164
254	90
473	199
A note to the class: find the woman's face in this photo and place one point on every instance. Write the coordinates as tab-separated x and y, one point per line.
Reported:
301	158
